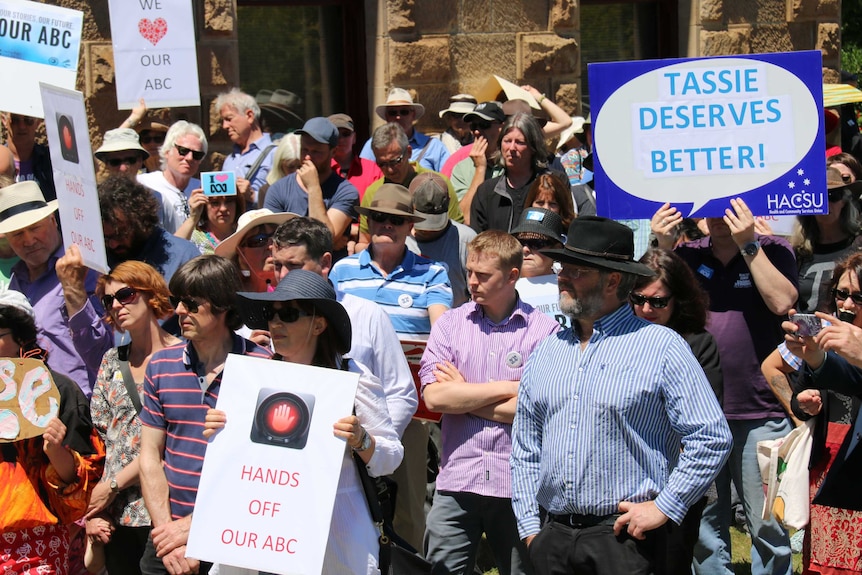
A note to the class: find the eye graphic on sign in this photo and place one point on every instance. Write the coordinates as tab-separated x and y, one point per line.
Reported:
282	418
68	142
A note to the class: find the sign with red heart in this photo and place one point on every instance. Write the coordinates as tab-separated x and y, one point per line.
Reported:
153	31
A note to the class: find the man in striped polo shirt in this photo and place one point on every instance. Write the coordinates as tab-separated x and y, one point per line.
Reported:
470	372
603	409
181	384
414	291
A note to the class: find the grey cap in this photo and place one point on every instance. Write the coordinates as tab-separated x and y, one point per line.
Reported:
431	201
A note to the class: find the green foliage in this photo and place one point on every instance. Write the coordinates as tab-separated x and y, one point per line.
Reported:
851	36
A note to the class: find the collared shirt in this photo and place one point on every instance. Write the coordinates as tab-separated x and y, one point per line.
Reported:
601	425
475	456
405	294
463	172
241	162
433	157
361	173
175	403
76	344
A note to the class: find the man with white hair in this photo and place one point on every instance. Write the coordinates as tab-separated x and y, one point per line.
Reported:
251	158
184	148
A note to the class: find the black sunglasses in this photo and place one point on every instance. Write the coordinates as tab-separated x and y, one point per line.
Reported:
536	245
158	139
128	161
260	240
190	304
15	118
391	163
843	294
382	218
479	126
124	295
285	314
392	112
196	155
654	302
836	195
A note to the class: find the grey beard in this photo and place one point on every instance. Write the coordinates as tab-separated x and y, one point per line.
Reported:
586	307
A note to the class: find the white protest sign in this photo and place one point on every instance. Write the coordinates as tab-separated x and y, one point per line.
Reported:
542	293
74	177
269	477
154	53
38	43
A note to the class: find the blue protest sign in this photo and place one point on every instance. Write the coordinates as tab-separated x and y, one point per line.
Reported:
218	183
698	132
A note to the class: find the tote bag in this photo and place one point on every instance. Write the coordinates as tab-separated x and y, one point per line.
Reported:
784	469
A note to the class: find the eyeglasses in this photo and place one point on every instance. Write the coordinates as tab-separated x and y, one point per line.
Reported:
285	314
196	154
127	161
843	294
654	302
576	273
15	118
124	295
260	240
391	163
382	218
836	195
190	304
536	245
479	126
393	112
158	139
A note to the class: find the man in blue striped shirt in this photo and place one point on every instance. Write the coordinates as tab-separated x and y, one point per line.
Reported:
603	409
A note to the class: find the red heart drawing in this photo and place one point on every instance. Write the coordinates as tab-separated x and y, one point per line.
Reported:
222	177
153	31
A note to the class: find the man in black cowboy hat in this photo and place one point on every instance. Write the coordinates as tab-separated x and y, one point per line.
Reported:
602	409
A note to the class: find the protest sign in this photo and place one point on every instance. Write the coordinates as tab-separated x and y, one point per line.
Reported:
74	177
38	43
28	399
269	478
413	350
542	293
218	183
154	53
698	132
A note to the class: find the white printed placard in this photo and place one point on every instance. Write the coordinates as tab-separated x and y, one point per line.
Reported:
269	478
38	43
74	177
155	57
543	294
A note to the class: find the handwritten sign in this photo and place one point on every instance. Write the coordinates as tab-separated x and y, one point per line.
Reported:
28	399
697	132
269	478
38	43
155	57
542	293
219	183
74	177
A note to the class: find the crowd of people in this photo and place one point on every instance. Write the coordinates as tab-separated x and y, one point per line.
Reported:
600	385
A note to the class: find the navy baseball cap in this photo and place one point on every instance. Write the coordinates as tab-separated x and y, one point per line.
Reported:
322	130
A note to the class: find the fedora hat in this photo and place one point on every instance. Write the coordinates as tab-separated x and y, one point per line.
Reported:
600	243
120	140
399	97
298	285
247	221
392	199
23	205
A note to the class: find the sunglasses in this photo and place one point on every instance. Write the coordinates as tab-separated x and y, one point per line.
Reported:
124	295
536	245
190	304
479	126
285	314
836	195
843	294
127	161
196	155
382	218
393	112
158	139
391	163
26	119
260	240
654	302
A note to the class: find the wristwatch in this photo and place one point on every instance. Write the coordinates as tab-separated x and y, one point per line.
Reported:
115	488
751	248
365	443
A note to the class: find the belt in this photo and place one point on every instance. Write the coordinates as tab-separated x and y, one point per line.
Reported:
579	521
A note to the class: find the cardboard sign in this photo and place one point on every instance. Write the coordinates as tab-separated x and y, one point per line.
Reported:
218	183
269	477
542	293
698	132
413	350
155	56
38	43
28	399
74	176
495	84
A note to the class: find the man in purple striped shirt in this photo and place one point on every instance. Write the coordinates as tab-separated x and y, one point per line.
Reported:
182	382
470	372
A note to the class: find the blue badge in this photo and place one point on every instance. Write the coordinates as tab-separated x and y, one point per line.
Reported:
705	271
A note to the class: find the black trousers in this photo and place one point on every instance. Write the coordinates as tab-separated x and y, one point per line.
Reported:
123	553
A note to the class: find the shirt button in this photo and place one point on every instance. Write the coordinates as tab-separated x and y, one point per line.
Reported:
580	369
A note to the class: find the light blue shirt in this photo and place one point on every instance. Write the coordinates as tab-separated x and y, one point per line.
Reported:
434	157
604	425
240	163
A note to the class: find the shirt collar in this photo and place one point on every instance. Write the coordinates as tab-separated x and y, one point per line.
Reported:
190	354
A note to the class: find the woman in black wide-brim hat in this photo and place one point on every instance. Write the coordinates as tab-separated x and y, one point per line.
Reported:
308	326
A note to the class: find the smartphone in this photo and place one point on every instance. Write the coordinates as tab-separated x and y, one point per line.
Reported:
808	324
